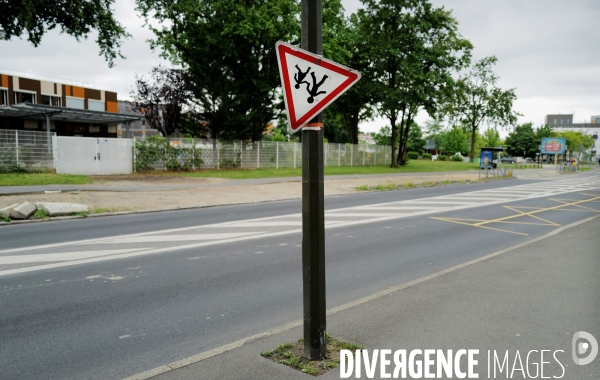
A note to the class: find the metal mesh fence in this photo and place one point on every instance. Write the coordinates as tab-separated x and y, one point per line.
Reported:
188	153
22	151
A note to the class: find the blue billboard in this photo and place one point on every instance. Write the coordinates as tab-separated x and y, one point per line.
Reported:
553	145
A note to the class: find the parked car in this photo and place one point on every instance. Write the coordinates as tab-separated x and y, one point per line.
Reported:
508	160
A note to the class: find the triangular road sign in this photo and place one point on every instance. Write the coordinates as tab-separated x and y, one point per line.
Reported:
310	83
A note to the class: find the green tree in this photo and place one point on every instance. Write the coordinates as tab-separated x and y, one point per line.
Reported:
334	130
384	137
545	131
455	140
522	141
477	100
228	47
76	18
434	130
356	105
490	138
165	100
413	48
574	139
416	142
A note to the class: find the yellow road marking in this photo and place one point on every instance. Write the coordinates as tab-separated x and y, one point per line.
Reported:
473	225
549	223
536	212
479	223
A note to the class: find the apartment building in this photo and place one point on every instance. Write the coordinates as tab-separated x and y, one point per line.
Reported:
564	122
67	110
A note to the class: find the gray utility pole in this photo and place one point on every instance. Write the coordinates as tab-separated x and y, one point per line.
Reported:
313	210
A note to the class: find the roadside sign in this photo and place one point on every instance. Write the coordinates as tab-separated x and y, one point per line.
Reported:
553	145
310	83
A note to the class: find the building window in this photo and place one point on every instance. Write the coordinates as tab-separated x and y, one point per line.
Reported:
561	121
24	97
595	136
554	121
568	121
3	97
95	105
47	100
75	103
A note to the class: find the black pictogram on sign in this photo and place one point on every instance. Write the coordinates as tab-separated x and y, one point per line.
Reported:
312	91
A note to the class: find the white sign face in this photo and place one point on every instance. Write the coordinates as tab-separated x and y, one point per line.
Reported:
310	83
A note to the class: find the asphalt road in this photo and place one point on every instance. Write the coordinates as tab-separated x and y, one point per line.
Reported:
117	317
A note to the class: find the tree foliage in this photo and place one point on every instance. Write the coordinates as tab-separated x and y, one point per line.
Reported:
434	130
76	18
165	99
522	141
414	48
574	139
356	105
455	140
476	100
490	138
416	142
545	131
228	46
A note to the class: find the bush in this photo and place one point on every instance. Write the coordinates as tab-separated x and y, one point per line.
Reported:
426	156
157	148
442	158
457	158
413	155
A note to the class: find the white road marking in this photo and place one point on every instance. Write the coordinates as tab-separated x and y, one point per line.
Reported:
205	235
68	256
176	238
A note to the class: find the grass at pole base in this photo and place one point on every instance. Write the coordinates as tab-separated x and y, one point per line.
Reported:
292	355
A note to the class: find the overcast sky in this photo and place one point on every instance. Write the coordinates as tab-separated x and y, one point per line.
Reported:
547	49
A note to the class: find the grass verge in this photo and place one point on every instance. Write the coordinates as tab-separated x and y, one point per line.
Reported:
411	185
413	166
34	179
41	213
292	355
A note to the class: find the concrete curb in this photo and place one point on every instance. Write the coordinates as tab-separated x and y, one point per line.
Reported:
392	289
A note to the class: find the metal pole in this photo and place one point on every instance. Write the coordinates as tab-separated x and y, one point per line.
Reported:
277	154
339	154
351	153
313	210
258	154
48	134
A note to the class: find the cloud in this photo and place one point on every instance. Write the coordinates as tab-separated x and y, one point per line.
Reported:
546	49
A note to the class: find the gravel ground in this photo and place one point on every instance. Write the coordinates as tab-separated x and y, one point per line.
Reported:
108	201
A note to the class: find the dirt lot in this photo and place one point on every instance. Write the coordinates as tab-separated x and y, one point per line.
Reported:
218	194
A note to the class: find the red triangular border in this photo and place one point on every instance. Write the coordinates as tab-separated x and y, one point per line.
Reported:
282	49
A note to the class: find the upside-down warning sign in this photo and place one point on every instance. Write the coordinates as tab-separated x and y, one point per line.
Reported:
310	83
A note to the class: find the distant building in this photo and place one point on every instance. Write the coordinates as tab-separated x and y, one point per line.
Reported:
564	122
367	138
138	128
67	110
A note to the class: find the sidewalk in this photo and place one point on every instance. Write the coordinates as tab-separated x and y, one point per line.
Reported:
204	183
530	298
